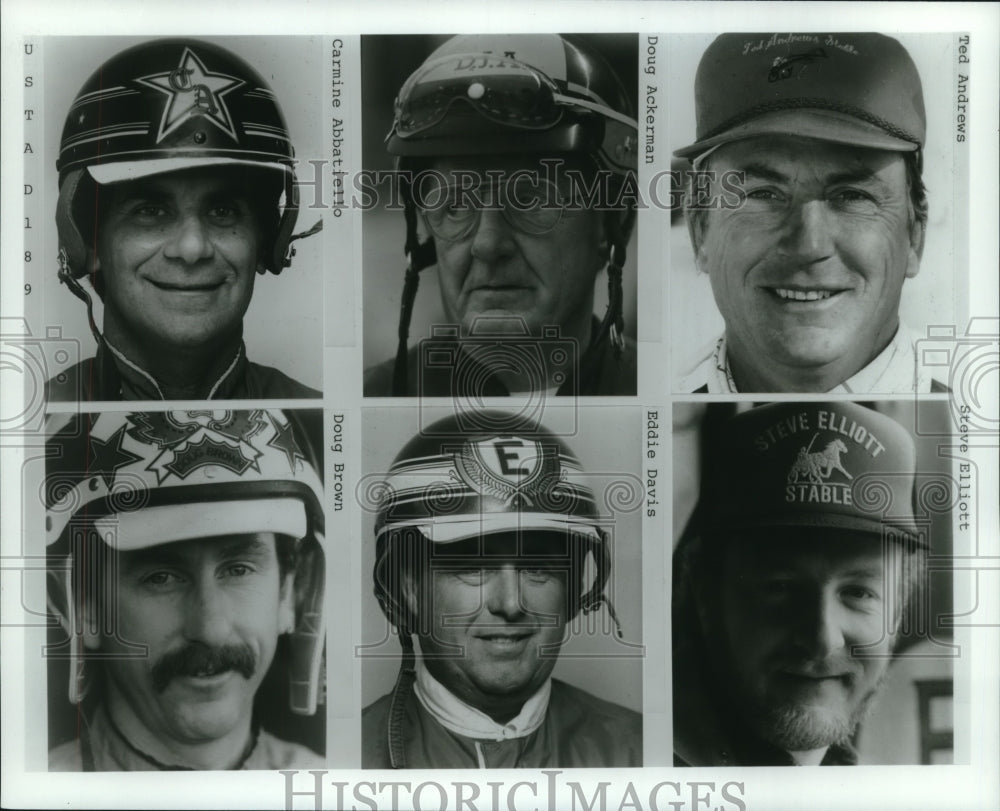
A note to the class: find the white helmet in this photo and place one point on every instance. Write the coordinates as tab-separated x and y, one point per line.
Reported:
141	479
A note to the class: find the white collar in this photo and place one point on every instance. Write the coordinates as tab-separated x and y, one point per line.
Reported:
458	717
893	371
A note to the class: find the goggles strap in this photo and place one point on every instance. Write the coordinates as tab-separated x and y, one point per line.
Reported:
397	706
419	255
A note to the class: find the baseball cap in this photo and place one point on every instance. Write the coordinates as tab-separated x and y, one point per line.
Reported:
860	89
834	465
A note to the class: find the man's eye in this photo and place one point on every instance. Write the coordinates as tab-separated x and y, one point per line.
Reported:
161	579
776	589
854	200
149	212
470	576
538	575
239	570
763	195
226	212
860	595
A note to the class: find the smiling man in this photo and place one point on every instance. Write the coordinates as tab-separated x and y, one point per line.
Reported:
517	159
176	188
185	553
789	597
822	136
487	545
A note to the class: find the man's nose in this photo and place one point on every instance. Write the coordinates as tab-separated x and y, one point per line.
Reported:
821	630
808	232
502	593
492	238
190	240
208	615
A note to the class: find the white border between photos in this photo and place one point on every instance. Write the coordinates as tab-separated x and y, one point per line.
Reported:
976	786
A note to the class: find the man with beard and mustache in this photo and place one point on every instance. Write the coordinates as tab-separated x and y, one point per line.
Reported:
789	597
183	548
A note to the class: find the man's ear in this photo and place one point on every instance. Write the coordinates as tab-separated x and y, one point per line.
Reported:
696	225
286	605
918	231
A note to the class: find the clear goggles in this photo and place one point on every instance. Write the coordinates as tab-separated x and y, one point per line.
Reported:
499	89
529	203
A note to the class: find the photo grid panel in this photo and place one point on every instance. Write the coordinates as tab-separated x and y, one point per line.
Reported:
523	417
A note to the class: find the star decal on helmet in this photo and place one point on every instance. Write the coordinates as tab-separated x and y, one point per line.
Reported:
284	440
193	90
105	458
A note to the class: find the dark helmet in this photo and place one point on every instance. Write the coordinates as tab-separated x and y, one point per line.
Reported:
168	105
450	484
510	94
491	95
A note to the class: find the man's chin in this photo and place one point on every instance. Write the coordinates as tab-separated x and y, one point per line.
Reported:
209	724
798	728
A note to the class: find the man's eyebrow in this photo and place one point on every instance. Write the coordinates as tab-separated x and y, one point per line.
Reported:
246	547
874	571
144	191
764	172
159	555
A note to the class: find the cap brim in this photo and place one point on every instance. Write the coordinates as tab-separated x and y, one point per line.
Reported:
448	530
169	523
817	124
122	171
852	524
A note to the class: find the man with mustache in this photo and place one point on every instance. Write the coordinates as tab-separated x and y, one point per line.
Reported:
488	542
791	587
186	572
176	190
807	211
495	138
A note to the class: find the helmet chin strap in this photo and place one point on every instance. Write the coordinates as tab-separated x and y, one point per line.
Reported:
66	277
397	706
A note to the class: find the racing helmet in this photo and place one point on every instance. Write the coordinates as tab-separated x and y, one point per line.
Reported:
451	484
135	480
164	106
515	94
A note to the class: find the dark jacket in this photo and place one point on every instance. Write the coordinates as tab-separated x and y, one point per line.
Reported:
101	747
579	730
105	377
444	370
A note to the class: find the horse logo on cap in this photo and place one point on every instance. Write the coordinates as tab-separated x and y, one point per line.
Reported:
817	467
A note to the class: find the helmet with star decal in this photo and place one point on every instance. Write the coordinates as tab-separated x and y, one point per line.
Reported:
165	106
